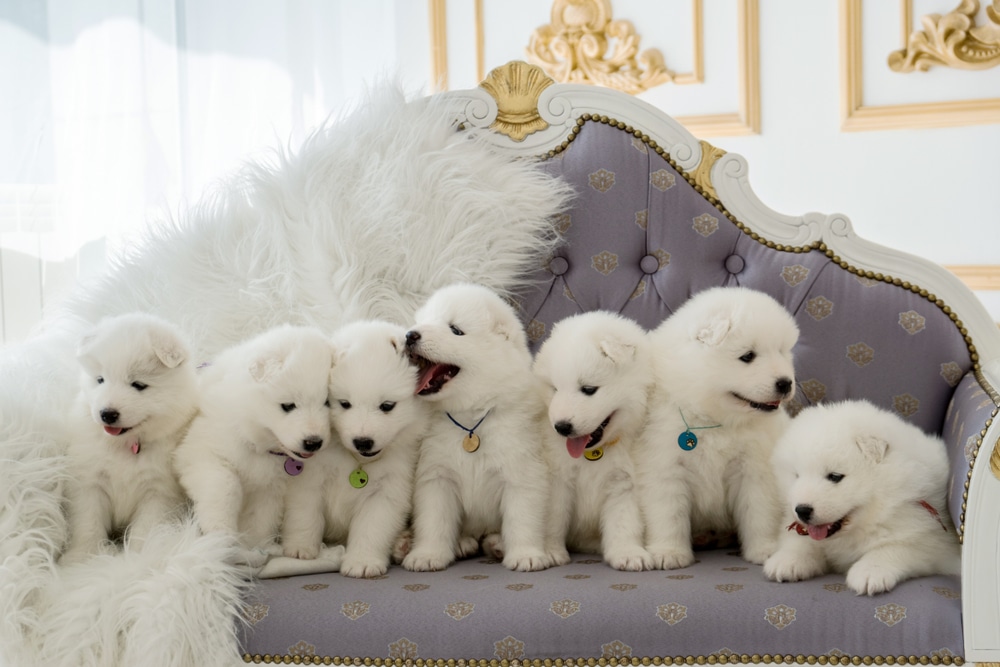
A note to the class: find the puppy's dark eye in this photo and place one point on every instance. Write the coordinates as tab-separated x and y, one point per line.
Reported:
139	386
326	404
588	390
387	406
287	407
100	380
748	357
455	330
835	477
345	404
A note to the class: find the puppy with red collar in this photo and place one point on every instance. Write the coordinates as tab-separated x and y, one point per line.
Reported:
865	493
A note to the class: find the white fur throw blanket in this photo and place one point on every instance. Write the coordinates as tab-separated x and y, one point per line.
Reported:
373	213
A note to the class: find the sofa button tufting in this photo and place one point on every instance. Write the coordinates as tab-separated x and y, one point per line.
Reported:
649	264
734	264
558	266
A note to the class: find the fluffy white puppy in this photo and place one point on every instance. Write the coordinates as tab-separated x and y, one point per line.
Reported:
361	492
481	469
866	493
265	412
598	372
138	395
724	370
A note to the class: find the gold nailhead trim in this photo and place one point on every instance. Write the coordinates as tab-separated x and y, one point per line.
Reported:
712	659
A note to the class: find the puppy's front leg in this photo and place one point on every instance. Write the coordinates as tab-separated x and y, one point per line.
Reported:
89	510
798	558
559	516
757	511
437	515
154	510
373	532
665	505
304	520
523	529
621	526
217	495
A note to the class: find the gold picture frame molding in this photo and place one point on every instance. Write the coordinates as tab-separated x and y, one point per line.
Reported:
744	121
855	116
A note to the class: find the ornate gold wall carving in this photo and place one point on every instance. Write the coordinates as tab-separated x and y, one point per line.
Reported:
952	40
574	48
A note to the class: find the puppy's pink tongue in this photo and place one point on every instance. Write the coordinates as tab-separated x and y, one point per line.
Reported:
112	430
575	446
819	532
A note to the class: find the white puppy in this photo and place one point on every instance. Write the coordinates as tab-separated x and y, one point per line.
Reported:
138	395
866	492
481	469
598	371
361	493
265	412
724	370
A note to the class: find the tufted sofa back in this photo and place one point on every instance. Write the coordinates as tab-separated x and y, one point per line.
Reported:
640	240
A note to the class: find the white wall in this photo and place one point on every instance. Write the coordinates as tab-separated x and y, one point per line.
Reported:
112	112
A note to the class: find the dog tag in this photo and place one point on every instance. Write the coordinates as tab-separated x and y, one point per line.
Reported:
358	479
135	447
594	454
470	442
293	466
687	441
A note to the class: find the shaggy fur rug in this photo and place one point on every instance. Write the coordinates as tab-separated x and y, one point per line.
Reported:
376	210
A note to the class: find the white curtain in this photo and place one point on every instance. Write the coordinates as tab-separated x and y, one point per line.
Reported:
112	111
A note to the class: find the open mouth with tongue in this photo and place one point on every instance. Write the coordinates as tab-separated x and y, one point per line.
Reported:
433	375
768	406
116	430
576	446
820	531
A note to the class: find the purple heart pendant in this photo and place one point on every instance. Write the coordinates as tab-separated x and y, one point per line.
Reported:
293	466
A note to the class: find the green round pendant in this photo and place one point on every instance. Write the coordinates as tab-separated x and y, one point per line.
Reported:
358	479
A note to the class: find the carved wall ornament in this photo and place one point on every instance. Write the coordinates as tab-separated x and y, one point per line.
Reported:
516	88
574	48
952	40
703	172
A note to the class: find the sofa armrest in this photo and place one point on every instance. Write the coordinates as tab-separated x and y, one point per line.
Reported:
972	433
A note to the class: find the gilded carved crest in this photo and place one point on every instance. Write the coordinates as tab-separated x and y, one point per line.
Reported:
574	48
952	40
516	88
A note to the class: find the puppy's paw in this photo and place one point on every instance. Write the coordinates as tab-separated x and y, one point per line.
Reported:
758	552
74	556
559	556
402	546
423	560
632	560
300	551
791	566
362	568
668	558
527	560
469	546
493	546
871	578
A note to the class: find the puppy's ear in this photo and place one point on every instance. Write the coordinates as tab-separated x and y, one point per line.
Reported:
617	351
266	366
168	349
873	448
84	346
715	331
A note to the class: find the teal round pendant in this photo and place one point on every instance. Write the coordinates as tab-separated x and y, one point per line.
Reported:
687	441
358	479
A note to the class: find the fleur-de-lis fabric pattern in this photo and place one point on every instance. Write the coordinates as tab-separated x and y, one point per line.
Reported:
479	609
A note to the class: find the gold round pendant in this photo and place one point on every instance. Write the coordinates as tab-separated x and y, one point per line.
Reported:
594	454
470	442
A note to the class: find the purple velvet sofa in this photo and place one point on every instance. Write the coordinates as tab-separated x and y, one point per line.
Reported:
658	217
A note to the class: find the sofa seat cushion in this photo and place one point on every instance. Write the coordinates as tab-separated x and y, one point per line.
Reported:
477	609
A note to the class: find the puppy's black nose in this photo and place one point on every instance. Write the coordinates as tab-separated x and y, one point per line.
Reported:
563	428
109	416
363	444
412	338
784	386
312	444
804	512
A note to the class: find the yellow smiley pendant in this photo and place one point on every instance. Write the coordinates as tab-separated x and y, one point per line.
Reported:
470	442
594	454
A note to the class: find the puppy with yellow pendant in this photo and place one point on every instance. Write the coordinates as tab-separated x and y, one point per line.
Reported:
598	374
